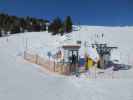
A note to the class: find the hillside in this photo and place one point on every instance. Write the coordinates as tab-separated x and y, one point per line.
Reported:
21	80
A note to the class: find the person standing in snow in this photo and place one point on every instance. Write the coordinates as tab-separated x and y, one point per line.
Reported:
73	63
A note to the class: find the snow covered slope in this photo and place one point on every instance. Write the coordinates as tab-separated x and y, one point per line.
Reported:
20	80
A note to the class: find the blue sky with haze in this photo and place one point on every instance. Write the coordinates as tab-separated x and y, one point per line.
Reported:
90	12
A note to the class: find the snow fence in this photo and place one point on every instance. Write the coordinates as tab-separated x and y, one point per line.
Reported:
50	65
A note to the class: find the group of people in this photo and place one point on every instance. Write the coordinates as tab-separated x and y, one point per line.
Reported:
86	62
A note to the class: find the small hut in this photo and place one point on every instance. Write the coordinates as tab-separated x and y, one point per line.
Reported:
71	56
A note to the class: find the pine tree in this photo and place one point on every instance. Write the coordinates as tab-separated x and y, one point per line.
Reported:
68	24
55	26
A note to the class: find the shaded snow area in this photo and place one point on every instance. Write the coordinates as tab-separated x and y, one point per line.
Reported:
21	80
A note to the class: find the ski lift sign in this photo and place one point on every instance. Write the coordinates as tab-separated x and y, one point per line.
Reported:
49	54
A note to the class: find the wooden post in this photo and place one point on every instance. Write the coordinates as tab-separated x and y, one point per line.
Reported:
95	72
48	62
62	71
54	65
36	59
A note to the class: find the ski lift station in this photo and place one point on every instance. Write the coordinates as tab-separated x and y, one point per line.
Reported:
71	56
104	52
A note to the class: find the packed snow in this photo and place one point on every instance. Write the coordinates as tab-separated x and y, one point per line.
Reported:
21	80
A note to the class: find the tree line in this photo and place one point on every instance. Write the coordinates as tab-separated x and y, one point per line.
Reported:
57	26
13	24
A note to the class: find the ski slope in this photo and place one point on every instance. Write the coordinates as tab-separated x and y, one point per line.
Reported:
21	80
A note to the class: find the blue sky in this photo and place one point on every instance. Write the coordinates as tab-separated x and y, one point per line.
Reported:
90	12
